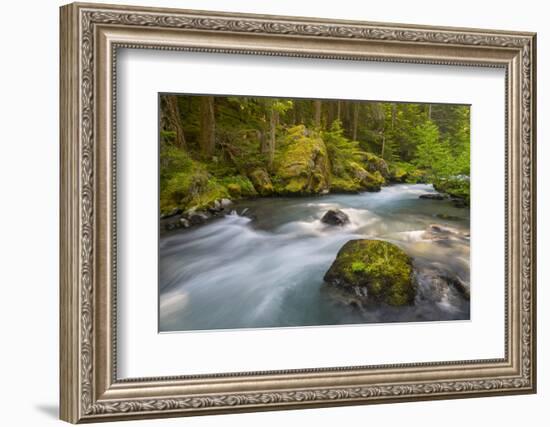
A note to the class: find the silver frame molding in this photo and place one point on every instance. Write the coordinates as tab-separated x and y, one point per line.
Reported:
90	37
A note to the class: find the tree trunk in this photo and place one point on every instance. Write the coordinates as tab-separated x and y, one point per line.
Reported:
172	119
207	126
383	144
273	122
338	109
262	140
330	113
317	112
355	120
393	114
297	107
429	111
346	118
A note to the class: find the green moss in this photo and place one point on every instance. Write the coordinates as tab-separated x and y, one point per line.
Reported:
182	180
234	190
295	186
358	267
185	183
406	172
459	188
417	176
261	181
374	181
382	268
397	173
167	136
356	178
239	186
301	164
344	185
214	191
374	164
353	169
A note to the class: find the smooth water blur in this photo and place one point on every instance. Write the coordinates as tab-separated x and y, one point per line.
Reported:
266	269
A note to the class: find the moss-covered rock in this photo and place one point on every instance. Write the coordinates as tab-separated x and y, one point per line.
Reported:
406	172
398	174
234	190
458	188
417	176
373	271
370	181
373	181
239	186
261	181
375	164
187	184
190	186
302	165
344	185
356	178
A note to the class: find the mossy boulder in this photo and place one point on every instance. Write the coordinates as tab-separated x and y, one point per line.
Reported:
344	185
191	186
406	172
302	165
356	178
375	164
373	271
234	190
397	174
239	186
417	176
261	181
370	181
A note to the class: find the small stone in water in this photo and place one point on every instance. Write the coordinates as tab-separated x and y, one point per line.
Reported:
432	196
335	217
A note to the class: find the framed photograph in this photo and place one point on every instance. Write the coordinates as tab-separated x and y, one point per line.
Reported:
266	212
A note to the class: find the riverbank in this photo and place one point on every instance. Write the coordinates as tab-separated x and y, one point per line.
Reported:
305	162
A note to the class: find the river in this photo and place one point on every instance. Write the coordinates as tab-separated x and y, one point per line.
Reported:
265	268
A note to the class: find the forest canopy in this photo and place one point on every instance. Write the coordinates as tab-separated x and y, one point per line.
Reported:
216	147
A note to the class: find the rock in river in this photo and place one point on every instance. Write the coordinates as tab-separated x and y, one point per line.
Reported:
441	233
432	196
335	217
197	217
373	271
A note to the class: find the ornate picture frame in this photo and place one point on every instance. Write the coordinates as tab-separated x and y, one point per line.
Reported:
90	37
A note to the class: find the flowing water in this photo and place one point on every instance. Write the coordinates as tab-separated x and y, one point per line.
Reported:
265	268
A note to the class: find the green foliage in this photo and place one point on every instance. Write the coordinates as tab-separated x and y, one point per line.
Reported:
431	153
341	150
267	146
444	161
187	183
172	161
239	186
167	136
458	186
184	183
353	169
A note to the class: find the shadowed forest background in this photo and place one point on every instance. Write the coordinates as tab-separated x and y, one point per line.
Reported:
229	147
